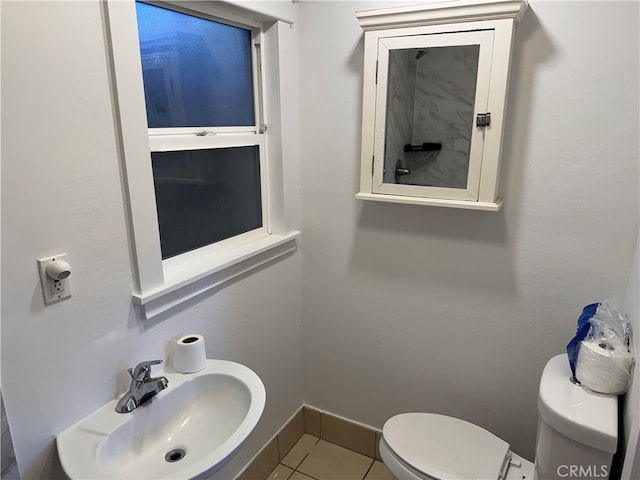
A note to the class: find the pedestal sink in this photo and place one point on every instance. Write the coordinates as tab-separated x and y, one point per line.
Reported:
193	426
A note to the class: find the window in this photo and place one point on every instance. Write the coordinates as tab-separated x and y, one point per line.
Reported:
200	79
205	183
205	196
197	72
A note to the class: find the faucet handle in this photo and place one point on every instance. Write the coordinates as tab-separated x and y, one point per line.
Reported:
143	370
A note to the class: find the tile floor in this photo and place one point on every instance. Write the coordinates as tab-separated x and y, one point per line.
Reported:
315	459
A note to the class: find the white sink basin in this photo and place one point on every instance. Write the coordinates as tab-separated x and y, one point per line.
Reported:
195	425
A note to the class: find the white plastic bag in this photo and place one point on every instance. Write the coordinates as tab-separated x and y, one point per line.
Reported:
605	357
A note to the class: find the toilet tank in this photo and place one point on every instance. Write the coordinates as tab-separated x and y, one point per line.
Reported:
577	429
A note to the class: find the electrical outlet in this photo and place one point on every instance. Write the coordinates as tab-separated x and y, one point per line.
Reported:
56	284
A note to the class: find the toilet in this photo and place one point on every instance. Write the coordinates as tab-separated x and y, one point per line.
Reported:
577	437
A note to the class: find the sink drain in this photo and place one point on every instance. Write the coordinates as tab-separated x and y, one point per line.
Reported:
175	455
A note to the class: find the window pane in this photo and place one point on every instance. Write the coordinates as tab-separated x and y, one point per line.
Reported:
196	72
204	196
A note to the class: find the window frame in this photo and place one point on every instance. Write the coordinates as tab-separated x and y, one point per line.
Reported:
164	284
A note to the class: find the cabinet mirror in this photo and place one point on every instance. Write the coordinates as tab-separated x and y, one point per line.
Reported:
434	101
428	91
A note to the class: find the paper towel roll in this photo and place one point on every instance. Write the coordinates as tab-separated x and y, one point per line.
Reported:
604	366
189	354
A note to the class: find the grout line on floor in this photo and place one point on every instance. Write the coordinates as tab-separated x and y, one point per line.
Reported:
304	458
368	469
305	474
296	469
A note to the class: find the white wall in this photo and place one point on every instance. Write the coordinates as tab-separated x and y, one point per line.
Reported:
405	307
62	192
412	308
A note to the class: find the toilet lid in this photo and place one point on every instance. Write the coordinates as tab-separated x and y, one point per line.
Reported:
445	447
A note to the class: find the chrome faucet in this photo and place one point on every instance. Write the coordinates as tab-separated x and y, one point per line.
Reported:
142	388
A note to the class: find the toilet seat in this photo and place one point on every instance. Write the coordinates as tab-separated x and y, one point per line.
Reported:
443	447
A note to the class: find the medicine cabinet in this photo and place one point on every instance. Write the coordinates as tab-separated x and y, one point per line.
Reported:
434	100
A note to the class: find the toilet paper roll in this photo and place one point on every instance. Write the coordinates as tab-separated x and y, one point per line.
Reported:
189	355
604	366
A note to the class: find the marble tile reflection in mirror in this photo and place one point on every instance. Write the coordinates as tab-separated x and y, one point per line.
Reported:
430	112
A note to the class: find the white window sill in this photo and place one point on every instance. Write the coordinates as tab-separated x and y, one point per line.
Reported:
181	285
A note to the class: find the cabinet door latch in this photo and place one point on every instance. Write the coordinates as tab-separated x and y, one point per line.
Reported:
483	120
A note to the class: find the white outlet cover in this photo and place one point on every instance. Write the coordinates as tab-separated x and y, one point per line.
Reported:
46	283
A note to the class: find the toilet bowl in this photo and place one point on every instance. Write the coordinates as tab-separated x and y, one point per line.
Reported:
435	447
575	428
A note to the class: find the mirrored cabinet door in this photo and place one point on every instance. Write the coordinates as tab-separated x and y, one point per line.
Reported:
431	94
